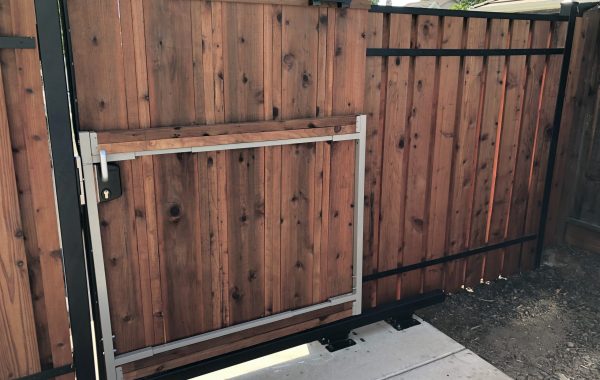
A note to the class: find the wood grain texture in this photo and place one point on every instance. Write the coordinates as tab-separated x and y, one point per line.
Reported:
393	182
455	150
24	111
540	33
441	172
542	144
374	108
508	141
491	121
420	122
465	156
17	332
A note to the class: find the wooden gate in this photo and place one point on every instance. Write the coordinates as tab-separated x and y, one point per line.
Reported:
461	122
254	223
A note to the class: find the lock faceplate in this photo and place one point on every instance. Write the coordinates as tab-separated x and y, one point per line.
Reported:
111	188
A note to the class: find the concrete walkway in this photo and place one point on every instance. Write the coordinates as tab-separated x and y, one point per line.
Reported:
381	352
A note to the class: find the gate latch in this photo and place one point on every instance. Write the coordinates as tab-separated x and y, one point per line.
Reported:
109	182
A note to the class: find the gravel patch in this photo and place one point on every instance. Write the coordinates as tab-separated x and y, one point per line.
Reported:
539	325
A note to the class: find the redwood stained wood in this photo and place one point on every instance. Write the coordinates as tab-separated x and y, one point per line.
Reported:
178	214
464	161
420	122
122	136
441	174
297	222
491	121
508	141
273	253
102	104
138	115
341	219
171	93
394	158
574	100
243	87
18	339
245	233
374	108
319	253
325	215
243	62
349	61
542	141
23	104
208	141
540	33
300	47
300	42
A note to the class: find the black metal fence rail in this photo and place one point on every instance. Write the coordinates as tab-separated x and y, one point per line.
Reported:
473	14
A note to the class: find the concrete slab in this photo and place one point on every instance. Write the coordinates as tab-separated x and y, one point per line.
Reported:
462	365
381	352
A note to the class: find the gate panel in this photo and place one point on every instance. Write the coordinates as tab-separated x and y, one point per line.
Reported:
216	284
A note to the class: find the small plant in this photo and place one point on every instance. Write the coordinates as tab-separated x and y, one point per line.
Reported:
466	4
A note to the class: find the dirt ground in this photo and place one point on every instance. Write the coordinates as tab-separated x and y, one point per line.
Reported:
539	325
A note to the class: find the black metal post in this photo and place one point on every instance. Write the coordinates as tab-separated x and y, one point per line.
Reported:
50	37
558	111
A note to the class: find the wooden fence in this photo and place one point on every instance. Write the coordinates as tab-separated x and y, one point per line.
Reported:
457	148
34	325
574	216
456	156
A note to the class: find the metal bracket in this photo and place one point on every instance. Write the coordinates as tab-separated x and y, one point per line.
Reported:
337	340
402	321
338	3
17	42
80	179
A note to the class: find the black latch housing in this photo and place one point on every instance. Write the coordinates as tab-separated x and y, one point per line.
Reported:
110	189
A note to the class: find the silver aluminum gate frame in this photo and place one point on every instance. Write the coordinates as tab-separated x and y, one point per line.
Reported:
90	155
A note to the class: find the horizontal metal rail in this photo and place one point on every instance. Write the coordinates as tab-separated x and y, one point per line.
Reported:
474	14
16	42
445	259
405	307
166	347
389	52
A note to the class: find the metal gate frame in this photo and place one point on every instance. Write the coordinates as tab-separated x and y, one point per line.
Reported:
94	160
59	88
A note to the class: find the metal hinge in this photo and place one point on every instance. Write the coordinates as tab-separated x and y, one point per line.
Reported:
81	184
